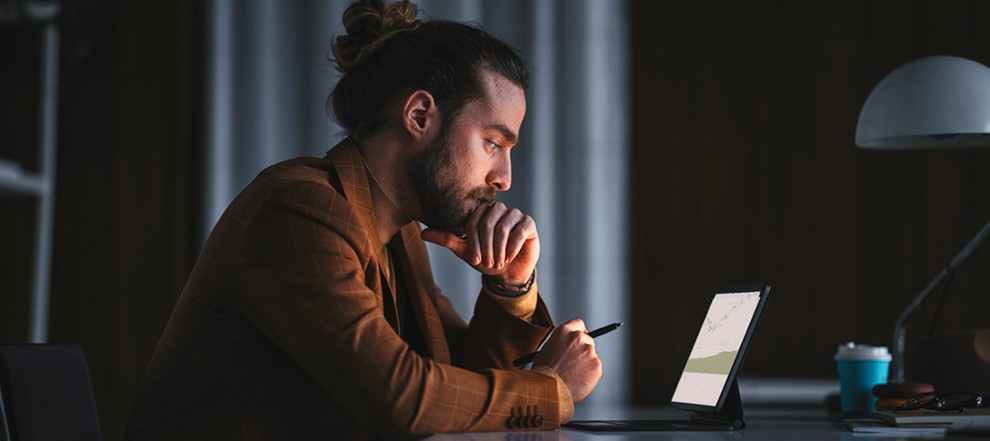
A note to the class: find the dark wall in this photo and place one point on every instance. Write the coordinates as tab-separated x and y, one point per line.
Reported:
128	136
744	169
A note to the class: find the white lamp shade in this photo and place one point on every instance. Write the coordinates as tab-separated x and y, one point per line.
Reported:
932	102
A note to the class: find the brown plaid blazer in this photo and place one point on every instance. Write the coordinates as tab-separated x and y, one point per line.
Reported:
287	329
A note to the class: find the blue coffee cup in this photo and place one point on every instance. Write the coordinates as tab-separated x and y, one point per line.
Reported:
860	368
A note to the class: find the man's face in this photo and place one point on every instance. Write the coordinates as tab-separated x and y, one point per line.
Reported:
468	161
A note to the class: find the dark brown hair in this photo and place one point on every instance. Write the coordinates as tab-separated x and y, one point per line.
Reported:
387	53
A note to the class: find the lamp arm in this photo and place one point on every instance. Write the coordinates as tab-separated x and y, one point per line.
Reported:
897	366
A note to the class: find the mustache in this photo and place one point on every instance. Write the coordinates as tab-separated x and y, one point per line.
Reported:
485	194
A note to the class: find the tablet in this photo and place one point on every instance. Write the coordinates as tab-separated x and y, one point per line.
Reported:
720	347
707	385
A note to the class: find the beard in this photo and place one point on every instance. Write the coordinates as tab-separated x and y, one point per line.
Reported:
442	197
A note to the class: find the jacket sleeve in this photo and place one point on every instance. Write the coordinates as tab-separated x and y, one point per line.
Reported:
302	270
501	330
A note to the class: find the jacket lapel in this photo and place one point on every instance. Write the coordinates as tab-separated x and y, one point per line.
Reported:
411	253
353	174
408	249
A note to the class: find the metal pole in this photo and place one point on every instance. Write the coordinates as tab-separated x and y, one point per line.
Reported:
38	320
897	366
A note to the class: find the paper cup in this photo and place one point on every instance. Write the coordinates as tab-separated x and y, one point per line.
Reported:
860	368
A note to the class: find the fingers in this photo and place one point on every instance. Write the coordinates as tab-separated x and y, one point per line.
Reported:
497	234
472	254
445	239
571	353
460	247
566	337
494	237
578	338
506	229
478	231
517	236
574	324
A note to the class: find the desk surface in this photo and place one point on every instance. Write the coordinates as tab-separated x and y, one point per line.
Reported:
762	423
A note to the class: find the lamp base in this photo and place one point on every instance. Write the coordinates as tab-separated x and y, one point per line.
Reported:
952	361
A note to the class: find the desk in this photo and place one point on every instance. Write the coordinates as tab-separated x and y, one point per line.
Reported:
762	423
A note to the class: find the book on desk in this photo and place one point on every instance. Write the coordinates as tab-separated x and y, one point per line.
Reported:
975	420
875	426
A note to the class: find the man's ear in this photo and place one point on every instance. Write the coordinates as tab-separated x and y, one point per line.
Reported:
419	113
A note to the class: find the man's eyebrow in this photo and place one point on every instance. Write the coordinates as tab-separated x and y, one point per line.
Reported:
509	135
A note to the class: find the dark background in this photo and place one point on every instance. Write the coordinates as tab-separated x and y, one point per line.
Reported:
126	190
743	168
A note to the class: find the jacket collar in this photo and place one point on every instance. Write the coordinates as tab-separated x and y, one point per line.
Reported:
407	246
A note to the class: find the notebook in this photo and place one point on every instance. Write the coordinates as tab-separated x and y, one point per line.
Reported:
707	385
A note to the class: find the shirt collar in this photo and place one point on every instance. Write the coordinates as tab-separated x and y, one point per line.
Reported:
387	218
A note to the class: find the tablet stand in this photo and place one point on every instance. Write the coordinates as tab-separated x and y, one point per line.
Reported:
731	413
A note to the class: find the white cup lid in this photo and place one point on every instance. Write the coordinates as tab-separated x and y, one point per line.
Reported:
853	351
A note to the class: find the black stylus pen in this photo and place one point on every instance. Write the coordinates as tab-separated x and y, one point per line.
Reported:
528	358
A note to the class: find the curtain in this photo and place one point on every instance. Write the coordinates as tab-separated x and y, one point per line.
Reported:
268	77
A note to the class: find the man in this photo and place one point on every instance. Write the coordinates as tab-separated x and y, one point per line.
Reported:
312	313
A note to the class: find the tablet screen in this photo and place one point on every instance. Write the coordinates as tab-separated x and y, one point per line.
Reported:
719	343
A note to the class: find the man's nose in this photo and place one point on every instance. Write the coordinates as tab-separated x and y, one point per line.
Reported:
500	177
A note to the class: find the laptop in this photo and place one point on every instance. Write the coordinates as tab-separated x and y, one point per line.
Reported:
707	386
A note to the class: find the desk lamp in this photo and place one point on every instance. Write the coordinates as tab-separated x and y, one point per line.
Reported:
930	103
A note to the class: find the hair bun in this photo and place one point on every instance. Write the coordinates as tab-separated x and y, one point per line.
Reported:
369	24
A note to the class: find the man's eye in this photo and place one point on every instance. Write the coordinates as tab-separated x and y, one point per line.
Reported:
493	145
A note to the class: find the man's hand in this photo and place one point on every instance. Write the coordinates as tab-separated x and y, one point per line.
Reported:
570	352
499	241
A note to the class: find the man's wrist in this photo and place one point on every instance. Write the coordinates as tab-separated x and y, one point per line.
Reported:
502	288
